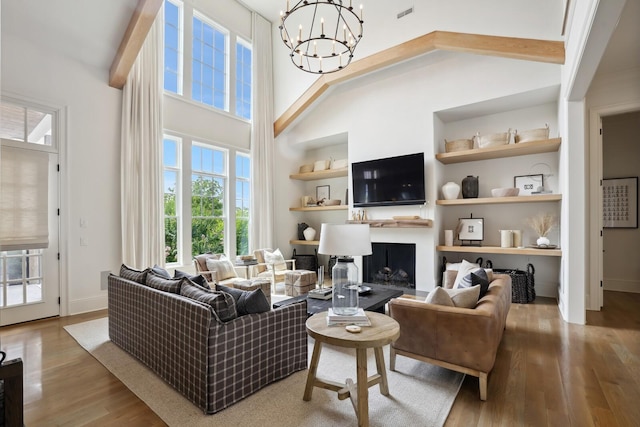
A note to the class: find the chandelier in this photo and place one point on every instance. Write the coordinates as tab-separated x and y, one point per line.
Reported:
322	34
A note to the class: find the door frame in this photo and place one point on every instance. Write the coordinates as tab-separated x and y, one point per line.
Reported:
595	300
61	118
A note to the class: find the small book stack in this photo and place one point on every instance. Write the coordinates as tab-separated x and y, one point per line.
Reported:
359	319
320	293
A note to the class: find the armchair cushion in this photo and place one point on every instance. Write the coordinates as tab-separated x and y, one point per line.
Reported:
201	264
221	302
247	302
276	258
223	267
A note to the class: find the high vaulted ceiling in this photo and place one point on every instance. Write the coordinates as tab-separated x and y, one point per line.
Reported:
90	31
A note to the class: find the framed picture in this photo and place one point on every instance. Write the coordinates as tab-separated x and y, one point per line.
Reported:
620	202
322	192
471	231
528	184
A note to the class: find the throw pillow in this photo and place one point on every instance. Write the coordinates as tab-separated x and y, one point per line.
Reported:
247	302
160	271
129	273
463	297
449	278
162	284
466	267
479	277
223	268
221	302
275	258
439	296
198	279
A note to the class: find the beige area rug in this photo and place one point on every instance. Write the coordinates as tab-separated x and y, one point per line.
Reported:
420	394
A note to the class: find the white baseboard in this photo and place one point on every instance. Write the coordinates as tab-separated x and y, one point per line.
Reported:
88	304
621	285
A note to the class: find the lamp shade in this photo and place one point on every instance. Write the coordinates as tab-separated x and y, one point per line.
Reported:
345	239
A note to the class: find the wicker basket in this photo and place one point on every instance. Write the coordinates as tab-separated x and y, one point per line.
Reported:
458	145
532	135
493	139
522	283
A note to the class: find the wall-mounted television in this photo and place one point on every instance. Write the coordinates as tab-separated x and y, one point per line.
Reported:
390	181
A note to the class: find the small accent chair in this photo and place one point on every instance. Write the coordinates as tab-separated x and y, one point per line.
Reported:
273	270
217	268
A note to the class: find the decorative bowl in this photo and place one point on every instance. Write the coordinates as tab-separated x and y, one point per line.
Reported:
332	202
505	192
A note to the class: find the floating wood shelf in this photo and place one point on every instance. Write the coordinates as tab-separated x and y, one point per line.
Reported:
395	223
535	198
500	151
305	242
499	250
320	208
325	174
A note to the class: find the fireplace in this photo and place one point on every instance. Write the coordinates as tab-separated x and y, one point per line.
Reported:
391	264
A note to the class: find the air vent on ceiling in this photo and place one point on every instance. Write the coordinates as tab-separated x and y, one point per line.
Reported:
405	12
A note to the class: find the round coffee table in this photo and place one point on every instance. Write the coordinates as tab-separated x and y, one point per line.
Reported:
383	330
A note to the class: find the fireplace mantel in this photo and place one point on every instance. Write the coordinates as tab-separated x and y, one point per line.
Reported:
395	223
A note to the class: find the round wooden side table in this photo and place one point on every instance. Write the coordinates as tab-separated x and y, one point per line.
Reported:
383	330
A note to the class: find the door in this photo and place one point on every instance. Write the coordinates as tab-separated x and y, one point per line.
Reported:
29	273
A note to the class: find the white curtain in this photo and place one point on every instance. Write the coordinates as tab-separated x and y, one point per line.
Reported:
262	140
24	190
141	157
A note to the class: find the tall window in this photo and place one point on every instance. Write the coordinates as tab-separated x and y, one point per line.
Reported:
171	164
173	46
243	79
243	197
208	183
209	68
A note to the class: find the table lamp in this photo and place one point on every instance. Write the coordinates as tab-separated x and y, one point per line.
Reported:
345	241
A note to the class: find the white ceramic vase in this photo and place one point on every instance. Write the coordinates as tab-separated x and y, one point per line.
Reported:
543	241
309	233
450	190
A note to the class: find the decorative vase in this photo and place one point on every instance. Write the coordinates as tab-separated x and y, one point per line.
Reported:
301	227
543	241
450	190
470	187
309	233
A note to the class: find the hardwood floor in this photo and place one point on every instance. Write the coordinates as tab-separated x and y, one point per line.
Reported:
547	373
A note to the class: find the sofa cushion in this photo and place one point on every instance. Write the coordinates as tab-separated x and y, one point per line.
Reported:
198	279
223	268
162	284
221	302
461	297
129	273
275	258
475	277
160	271
247	302
466	267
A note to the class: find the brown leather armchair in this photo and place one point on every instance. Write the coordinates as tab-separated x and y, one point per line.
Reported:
461	339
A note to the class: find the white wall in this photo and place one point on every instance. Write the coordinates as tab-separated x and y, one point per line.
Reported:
92	160
394	112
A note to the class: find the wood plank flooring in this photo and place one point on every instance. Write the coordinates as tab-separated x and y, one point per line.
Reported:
547	373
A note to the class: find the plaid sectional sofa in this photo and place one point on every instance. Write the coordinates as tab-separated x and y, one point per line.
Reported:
211	363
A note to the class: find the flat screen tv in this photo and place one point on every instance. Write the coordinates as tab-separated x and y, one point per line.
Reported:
390	181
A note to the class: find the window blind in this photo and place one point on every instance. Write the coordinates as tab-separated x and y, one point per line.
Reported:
24	185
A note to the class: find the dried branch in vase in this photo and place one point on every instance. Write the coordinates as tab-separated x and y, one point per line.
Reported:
542	223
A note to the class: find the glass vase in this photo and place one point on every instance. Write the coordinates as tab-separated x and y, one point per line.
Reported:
345	287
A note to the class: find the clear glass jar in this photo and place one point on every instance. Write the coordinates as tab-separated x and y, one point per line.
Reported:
345	287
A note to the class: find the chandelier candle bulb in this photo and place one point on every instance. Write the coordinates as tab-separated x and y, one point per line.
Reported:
361	13
321	27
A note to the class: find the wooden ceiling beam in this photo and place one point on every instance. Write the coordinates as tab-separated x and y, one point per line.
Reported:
139	26
506	47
